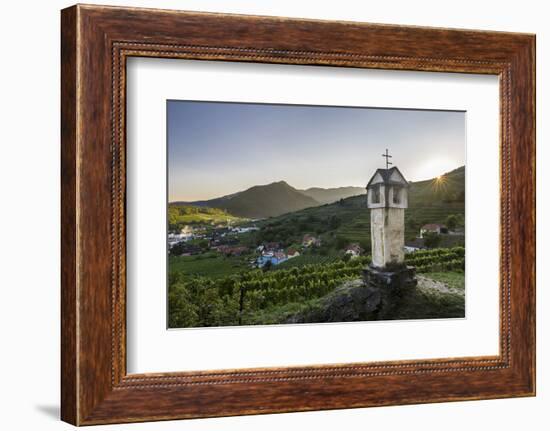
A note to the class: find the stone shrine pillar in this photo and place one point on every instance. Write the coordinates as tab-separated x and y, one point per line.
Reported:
387	199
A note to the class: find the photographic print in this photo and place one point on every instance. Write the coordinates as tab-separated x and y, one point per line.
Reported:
291	214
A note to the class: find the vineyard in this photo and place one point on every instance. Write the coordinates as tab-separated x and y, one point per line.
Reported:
239	299
308	259
440	259
357	228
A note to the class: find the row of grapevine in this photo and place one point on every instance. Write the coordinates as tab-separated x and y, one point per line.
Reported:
443	259
203	301
459	251
450	265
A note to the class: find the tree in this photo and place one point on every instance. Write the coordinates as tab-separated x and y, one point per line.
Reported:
210	307
334	222
432	240
312	218
177	249
452	221
341	242
182	313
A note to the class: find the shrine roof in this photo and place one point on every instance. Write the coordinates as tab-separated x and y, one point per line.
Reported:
388	177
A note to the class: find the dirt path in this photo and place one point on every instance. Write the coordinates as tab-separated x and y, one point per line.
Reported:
428	283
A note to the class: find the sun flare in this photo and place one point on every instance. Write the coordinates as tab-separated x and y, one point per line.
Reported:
439	183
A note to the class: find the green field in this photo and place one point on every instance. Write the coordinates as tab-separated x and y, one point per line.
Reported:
207	265
455	280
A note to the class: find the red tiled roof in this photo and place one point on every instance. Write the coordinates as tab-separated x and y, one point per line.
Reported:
432	226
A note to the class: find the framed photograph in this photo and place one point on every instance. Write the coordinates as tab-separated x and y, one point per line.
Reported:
267	215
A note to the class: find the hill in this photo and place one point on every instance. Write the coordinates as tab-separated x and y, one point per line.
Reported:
347	221
181	215
262	201
430	201
446	188
328	196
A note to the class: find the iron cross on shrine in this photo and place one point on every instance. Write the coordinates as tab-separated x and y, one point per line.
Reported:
387	156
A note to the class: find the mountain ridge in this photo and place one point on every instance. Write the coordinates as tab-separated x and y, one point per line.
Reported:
332	194
260	201
278	198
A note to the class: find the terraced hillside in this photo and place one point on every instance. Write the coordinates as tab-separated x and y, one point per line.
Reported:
348	220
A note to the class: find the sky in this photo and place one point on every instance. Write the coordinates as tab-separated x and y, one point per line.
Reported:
217	148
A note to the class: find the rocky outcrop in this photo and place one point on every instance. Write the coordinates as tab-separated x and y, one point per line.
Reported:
350	302
355	301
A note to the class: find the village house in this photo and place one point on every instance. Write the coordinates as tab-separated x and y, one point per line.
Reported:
239	230
291	252
184	249
433	228
239	250
279	256
220	248
274	258
271	246
185	234
262	260
217	241
414	245
232	250
173	239
311	241
354	250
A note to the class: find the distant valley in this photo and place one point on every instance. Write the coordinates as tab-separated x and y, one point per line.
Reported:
218	254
